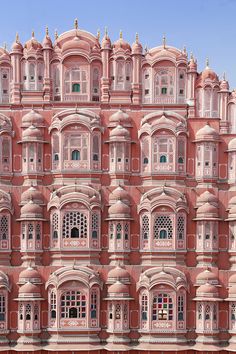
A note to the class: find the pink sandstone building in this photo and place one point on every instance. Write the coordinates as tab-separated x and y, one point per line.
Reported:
117	199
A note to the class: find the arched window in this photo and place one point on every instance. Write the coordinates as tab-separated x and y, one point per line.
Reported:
95	148
73	221
163	159
2	307
144	307
76	88
162	309
163	227
75	155
73	304
145	227
53	305
74	232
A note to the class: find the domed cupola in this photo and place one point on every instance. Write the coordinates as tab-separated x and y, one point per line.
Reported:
118	297
136	46
119	211
207	133
32	133
119	118
47	42
17	47
106	42
32	44
207	211
207	276
207	219
31	220
31	275
32	118
119	226
119	133
207	197
121	44
207	147
32	194
29	327
118	274
119	193
31	211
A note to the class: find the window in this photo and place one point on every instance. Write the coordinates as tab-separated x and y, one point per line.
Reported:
53	305
180	308
73	305
2	307
162	308
75	155
4	227
163	227
163	159
144	308
75	221
164	90
76	88
145	227
180	160
93	309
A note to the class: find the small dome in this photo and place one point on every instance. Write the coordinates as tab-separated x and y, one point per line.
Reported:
232	291
106	42
224	85
33	44
32	118
209	74
232	145
47	43
121	44
207	277
119	132
207	133
17	46
137	47
118	288
75	43
32	133
232	212
207	197
119	209
31	210
29	275
118	273
232	202
232	279
119	117
207	290
29	288
32	193
207	210
192	65
119	194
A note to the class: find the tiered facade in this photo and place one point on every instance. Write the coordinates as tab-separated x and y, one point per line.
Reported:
117	199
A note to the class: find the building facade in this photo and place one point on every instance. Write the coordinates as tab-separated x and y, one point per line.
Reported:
118	199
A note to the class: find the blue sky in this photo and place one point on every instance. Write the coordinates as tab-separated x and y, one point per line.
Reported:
206	27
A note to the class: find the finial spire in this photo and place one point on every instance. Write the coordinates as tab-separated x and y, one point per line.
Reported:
98	34
56	34
136	37
17	37
224	76
32	34
184	49
106	33
76	23
164	41
121	34
46	31
207	62
5	46
191	56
